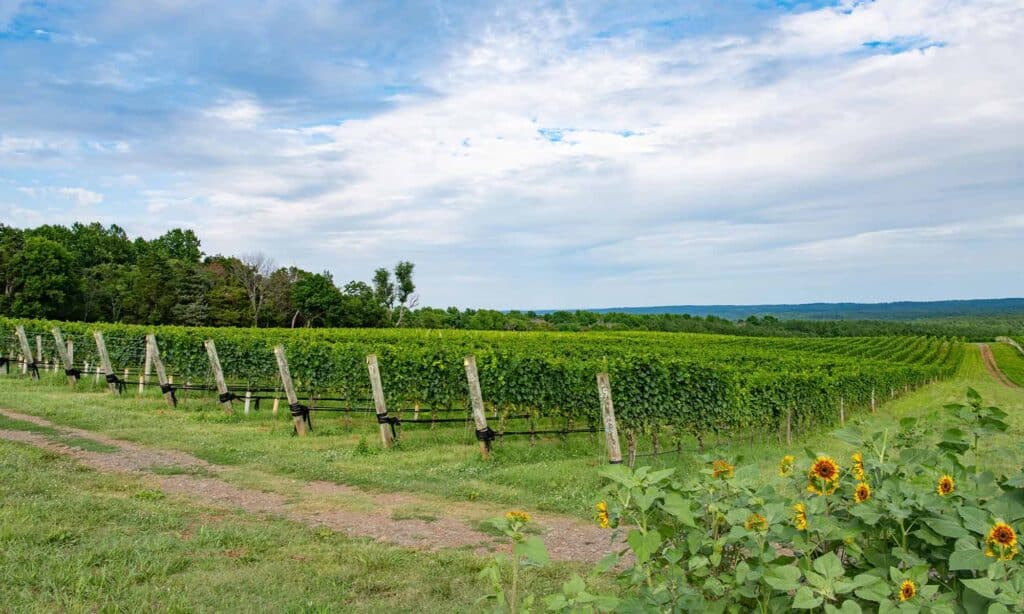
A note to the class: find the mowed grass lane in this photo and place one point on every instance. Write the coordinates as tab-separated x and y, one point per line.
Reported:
74	540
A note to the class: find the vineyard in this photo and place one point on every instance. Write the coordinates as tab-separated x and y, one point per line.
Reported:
693	384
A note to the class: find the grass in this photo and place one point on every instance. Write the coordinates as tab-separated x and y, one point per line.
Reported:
75	540
1010	361
553	475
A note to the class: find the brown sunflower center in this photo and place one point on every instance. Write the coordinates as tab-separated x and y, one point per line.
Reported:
1003	535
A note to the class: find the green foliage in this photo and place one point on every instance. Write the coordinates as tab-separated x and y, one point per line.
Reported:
694	383
886	536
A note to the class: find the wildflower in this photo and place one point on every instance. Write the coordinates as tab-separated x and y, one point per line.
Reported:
862	493
858	466
800	517
602	515
786	464
1001	542
823	478
520	518
721	469
756	522
946	485
907	590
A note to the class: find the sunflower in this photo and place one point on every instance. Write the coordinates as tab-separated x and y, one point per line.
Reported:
756	522
602	515
823	478
800	517
858	466
945	486
1001	542
862	493
786	464
907	590
721	469
520	518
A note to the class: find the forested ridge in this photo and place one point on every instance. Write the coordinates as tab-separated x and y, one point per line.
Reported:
96	273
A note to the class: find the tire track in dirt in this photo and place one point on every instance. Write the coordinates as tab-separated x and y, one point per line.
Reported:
993	367
317	503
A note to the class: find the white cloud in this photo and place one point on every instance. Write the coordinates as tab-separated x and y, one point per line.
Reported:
79	196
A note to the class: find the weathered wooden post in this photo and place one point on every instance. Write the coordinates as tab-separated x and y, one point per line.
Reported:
65	357
71	350
166	385
842	411
108	369
872	399
379	406
39	349
300	413
218	375
28	364
248	400
484	434
611	429
147	368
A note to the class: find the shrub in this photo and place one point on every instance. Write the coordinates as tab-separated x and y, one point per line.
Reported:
901	525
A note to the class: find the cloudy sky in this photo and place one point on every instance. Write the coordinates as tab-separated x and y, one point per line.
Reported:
536	155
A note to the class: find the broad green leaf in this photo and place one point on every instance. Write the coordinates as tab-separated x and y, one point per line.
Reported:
983	586
782	577
679	508
968	560
532	549
947	528
643	545
805	599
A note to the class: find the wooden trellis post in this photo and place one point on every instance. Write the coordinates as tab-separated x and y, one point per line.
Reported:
483	433
65	357
379	405
147	368
611	429
289	390
108	369
29	363
166	386
218	376
842	411
872	399
71	350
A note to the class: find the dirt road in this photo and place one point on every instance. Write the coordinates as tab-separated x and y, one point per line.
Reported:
403	519
993	368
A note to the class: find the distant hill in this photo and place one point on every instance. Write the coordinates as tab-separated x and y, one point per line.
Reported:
903	310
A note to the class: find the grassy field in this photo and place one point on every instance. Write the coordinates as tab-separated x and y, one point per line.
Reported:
78	541
1010	361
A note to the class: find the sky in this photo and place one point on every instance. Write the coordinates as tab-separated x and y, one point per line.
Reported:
539	154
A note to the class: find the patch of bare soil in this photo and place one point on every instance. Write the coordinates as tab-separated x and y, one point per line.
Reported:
567	539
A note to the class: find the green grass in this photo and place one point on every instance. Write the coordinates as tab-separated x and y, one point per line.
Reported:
554	475
75	540
1010	361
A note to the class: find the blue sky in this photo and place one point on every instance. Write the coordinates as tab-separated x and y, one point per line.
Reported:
539	155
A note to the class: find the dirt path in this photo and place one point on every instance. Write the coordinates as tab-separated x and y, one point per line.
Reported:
993	368
403	519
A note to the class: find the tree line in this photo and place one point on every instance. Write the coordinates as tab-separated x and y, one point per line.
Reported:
92	273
